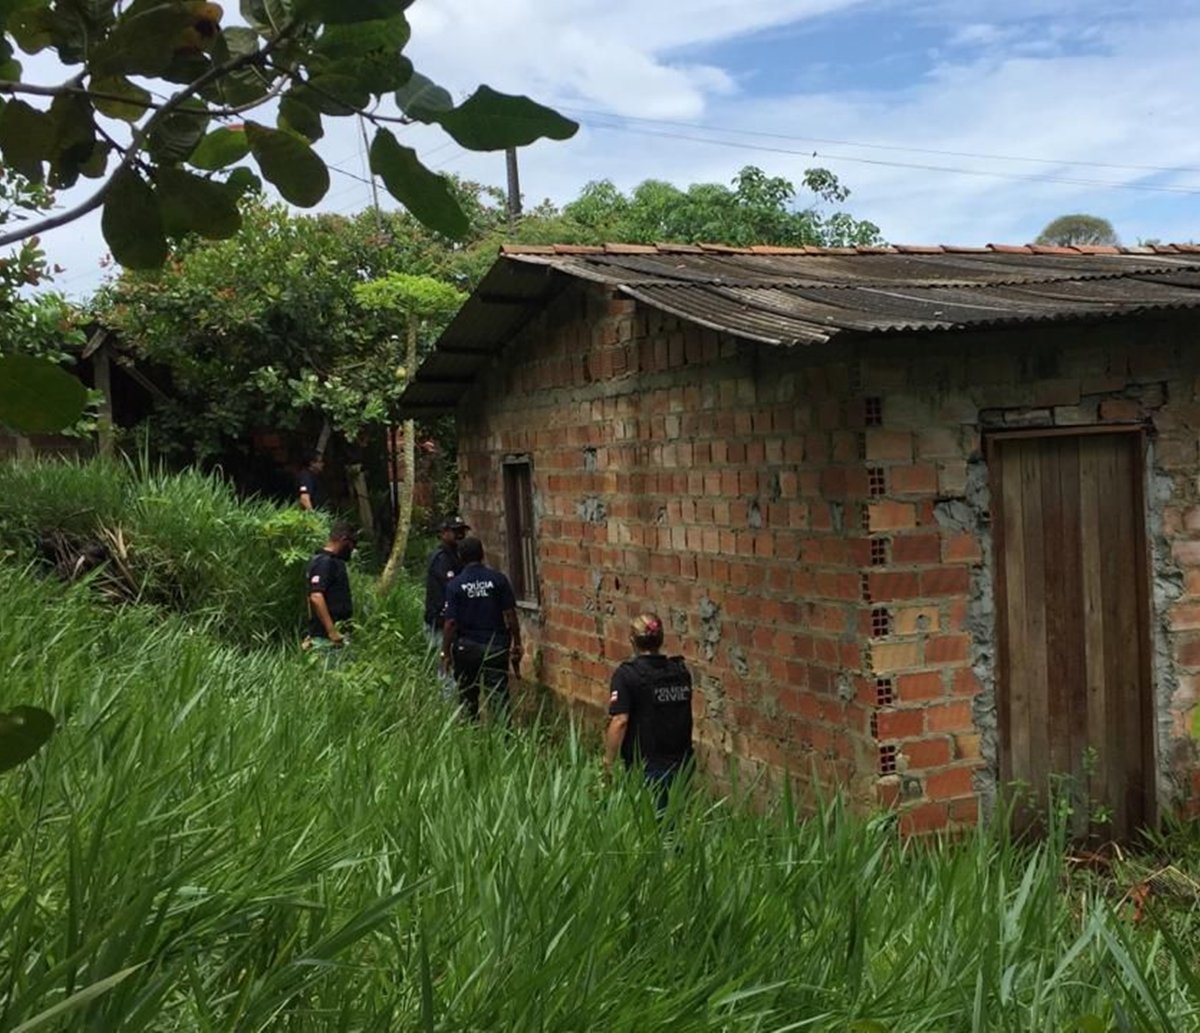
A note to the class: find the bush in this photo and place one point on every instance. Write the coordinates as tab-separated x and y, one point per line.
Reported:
178	540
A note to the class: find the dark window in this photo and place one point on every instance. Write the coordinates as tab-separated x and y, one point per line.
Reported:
522	546
873	412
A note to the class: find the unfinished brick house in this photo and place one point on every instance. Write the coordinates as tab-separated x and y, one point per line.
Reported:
925	521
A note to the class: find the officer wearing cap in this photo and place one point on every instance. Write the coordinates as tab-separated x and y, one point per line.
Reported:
443	565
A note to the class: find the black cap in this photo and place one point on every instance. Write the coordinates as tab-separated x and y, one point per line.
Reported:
454	523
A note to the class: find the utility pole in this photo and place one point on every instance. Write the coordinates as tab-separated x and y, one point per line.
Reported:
514	188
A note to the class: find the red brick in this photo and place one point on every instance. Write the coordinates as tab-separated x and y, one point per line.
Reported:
964	810
888	444
911	688
928	817
948	717
891	516
947	649
938	443
1120	410
1185	617
924	754
895	656
961	548
950	783
916	548
945	581
965	683
888	585
913	480
899	724
887	791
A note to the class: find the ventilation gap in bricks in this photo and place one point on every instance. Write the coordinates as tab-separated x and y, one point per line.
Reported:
887	759
856	378
885	692
876	481
862	447
879	552
881	622
864	517
874	726
873	411
864	587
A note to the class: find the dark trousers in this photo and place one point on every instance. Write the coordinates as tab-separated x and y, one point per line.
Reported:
478	667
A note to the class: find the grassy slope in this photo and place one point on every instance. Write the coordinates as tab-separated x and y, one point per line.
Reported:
268	845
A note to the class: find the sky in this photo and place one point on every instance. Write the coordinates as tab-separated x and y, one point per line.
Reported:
951	121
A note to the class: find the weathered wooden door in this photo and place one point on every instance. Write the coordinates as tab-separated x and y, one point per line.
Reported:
1074	683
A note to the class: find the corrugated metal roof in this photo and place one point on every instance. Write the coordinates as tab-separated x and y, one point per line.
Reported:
808	296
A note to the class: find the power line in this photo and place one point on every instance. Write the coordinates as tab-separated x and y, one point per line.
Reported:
901	164
891	147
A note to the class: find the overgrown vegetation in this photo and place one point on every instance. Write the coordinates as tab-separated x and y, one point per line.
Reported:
181	542
227	838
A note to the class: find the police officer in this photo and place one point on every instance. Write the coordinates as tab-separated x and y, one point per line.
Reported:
444	563
481	635
650	709
328	584
308	481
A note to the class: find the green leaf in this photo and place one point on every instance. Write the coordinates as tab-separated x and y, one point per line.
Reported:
243	181
424	193
33	28
192	204
94	167
294	114
338	42
26	138
492	121
334	94
220	148
287	161
77	999
132	223
74	138
177	135
423	99
133	99
342	12
240	41
144	42
37	396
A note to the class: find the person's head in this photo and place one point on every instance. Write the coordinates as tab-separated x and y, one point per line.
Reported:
342	539
453	530
646	633
470	550
315	462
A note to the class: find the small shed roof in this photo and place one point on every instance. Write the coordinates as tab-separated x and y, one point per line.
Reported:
806	296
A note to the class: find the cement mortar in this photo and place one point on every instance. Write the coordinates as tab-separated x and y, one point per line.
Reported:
972	515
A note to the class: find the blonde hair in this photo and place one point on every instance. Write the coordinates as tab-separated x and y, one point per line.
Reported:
646	629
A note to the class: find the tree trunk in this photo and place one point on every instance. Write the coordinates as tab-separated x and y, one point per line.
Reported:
358	487
404	506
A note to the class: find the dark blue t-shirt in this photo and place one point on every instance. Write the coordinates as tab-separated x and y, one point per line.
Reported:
308	485
476	601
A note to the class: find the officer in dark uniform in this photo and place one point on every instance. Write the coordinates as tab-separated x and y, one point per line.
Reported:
481	635
650	709
443	565
328	585
308	482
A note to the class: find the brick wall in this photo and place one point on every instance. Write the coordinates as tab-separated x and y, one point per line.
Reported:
936	718
813	528
716	482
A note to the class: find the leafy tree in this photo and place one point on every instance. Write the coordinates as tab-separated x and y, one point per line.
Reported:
424	304
758	209
1068	230
169	168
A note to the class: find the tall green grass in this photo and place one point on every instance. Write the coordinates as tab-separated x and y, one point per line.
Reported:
222	839
180	541
223	834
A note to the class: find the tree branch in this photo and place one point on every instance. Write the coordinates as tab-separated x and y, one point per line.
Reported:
97	199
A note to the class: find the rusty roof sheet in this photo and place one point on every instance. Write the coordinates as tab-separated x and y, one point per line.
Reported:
809	295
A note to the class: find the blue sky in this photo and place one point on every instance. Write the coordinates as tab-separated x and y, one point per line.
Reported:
955	121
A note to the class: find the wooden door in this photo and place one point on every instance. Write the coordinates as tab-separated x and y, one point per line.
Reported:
1074	686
